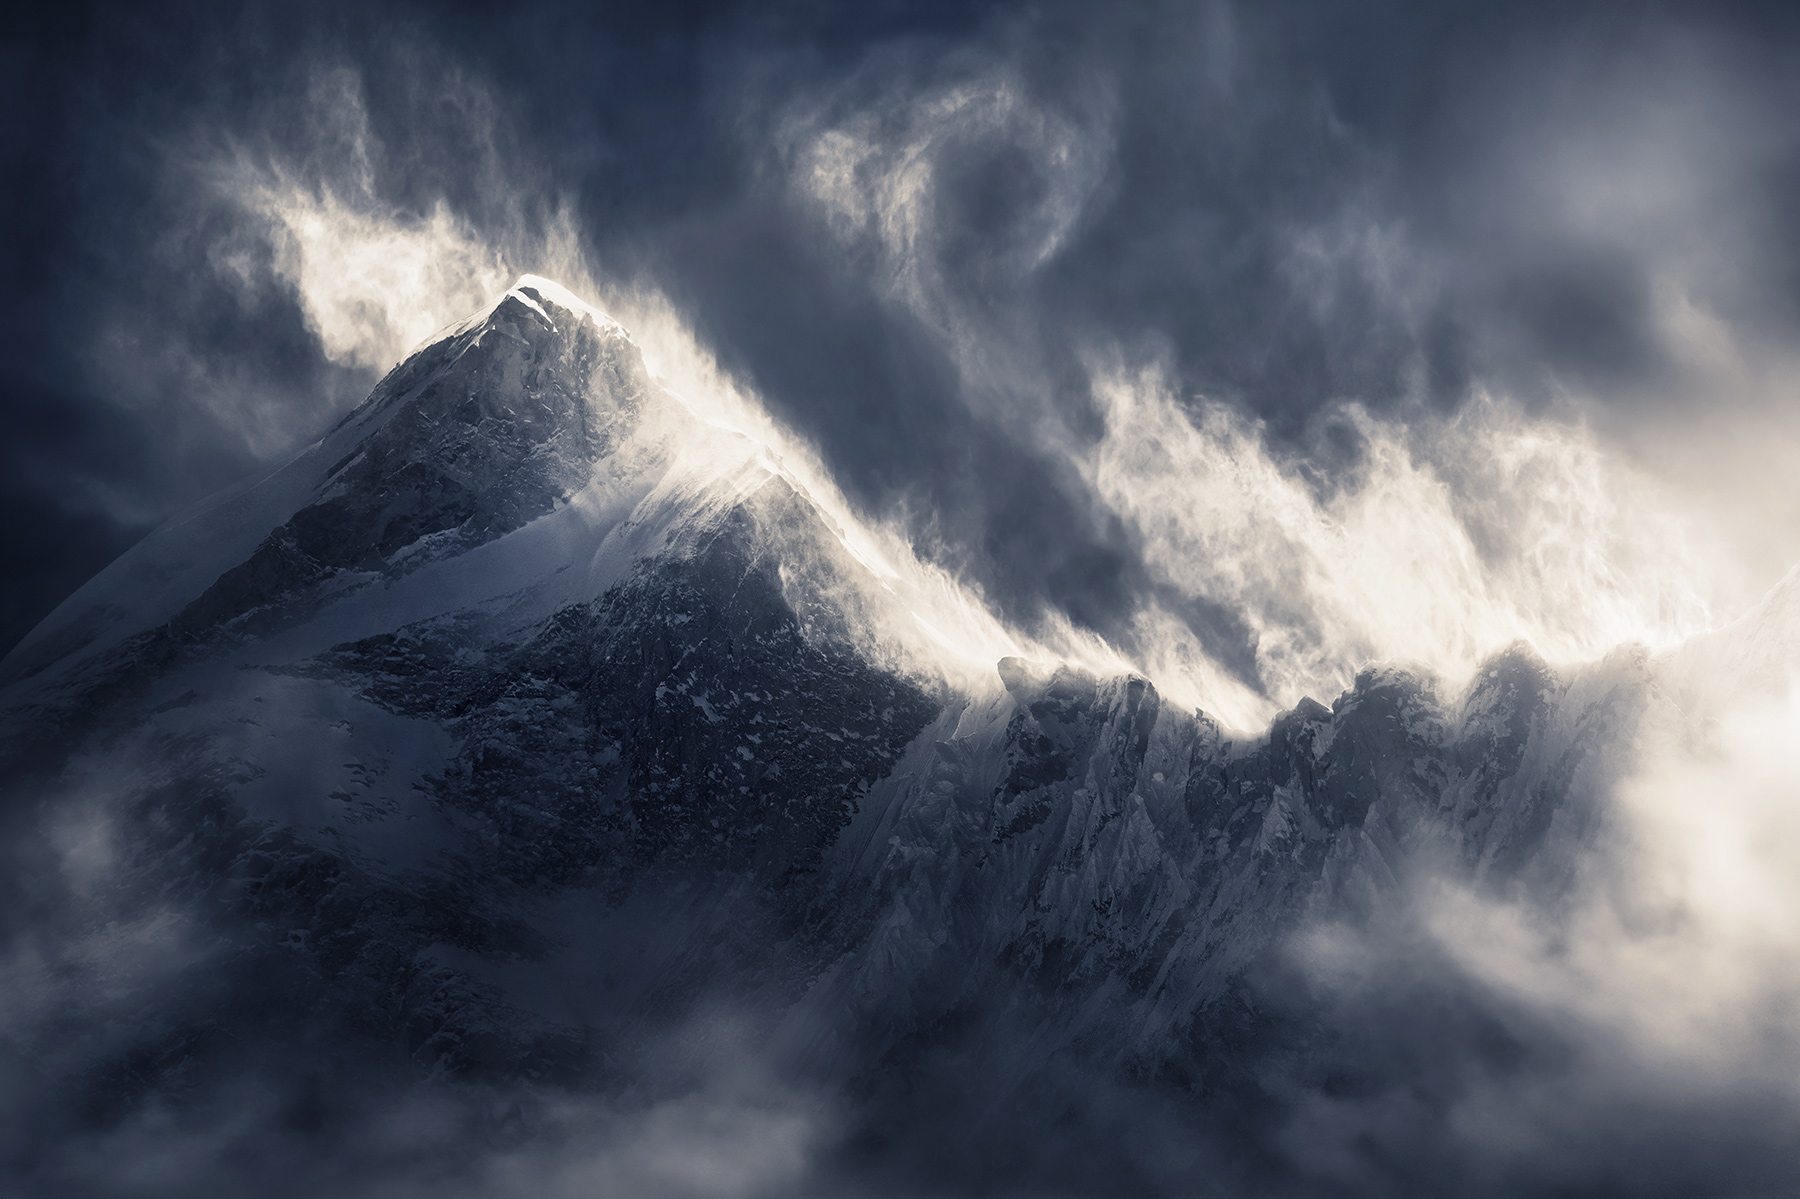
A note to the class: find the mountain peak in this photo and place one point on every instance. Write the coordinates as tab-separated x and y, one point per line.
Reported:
541	297
539	291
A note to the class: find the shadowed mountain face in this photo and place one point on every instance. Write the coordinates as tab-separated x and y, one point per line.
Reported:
513	725
473	438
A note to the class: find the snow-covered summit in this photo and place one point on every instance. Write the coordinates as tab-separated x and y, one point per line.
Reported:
535	294
478	432
537	291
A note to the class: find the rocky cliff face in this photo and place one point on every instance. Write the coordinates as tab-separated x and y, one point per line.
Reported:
500	725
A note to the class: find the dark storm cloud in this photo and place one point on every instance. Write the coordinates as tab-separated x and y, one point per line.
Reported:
1292	206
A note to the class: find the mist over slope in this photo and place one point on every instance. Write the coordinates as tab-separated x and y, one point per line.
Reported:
541	785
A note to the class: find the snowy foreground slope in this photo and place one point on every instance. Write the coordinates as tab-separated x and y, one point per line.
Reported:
527	717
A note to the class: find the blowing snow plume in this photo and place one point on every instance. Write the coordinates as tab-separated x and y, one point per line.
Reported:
1015	607
1261	574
